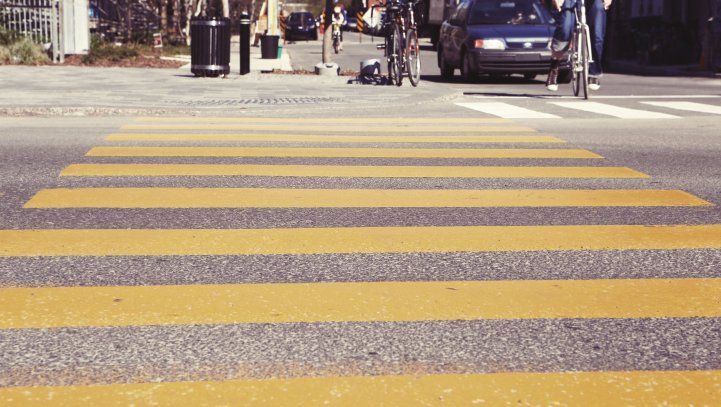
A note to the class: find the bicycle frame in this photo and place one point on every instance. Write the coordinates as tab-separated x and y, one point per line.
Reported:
400	19
581	24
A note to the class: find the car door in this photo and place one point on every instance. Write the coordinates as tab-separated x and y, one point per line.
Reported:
456	33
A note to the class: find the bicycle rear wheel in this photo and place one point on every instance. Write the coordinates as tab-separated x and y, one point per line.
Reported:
398	56
413	61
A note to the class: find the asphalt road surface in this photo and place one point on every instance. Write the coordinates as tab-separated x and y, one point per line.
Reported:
439	253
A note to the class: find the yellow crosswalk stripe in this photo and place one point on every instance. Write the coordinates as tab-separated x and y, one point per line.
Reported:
47	307
347	171
358	121
351	198
648	388
441	129
114	151
430	239
297	138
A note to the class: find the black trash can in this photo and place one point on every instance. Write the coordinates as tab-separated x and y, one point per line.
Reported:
269	46
210	46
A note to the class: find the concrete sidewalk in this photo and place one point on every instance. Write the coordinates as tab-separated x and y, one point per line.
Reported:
73	90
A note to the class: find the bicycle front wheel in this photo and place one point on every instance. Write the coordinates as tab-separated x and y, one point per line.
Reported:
389	55
576	64
413	60
585	58
398	56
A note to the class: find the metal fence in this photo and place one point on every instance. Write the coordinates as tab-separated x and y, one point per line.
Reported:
38	20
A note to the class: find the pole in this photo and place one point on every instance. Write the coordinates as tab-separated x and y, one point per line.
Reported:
327	31
244	43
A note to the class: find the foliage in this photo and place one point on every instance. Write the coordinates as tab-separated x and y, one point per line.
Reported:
102	50
21	51
7	37
5	56
26	52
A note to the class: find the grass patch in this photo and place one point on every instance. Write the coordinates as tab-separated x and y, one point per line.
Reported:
102	50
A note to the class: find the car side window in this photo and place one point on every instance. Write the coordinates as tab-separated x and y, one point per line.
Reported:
460	13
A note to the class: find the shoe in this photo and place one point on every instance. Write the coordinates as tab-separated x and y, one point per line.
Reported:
594	83
552	81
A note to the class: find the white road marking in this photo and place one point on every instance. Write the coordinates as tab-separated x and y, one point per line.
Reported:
507	111
690	106
615	111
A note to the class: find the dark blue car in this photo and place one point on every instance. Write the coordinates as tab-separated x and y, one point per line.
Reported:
497	37
300	25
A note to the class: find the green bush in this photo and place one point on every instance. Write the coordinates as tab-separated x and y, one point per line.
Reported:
5	56
7	37
100	49
26	52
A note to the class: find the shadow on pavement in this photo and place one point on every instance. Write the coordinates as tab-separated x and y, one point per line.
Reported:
483	80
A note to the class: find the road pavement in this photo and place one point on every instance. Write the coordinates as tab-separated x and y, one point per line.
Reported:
398	245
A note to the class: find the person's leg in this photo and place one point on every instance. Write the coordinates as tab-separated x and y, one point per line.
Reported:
564	29
561	39
597	25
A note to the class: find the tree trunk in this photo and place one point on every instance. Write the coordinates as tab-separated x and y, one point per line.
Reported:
128	21
176	17
164	17
328	32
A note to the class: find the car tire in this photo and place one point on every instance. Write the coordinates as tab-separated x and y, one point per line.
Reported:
467	72
446	71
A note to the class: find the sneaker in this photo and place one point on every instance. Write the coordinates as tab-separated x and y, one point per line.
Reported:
594	83
552	81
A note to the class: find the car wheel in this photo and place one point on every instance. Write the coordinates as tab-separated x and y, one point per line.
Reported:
446	71
467	72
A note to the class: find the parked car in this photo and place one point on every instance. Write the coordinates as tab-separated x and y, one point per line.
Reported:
497	37
301	25
351	23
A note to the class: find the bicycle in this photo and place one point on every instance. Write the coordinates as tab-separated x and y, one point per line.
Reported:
336	38
401	42
580	53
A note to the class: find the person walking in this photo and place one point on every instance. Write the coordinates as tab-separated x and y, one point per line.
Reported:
261	27
562	38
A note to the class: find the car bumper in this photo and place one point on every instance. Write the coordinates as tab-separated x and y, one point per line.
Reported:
511	61
294	33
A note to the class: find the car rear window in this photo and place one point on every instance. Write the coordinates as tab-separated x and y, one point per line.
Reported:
508	12
298	18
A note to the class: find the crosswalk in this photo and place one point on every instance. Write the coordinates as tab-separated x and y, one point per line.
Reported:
147	167
599	107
